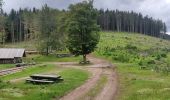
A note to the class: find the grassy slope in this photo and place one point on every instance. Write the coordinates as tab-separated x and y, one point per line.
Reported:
132	51
6	66
53	58
22	91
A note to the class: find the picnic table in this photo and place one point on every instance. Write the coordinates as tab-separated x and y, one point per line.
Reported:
38	81
44	79
47	77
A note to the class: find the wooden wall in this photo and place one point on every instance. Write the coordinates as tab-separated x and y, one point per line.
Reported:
11	61
6	61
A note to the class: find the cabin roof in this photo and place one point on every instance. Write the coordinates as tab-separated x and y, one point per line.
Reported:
10	53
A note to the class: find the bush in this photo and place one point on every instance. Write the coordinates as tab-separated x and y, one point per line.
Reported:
162	66
147	62
127	38
129	46
140	63
107	53
158	57
163	55
122	57
151	61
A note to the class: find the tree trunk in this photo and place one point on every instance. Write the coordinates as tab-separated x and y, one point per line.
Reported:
20	37
12	31
47	51
84	58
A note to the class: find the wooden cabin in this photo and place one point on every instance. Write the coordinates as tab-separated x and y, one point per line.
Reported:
11	55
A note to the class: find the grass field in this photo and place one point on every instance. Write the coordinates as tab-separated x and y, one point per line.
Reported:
42	59
53	58
6	66
142	63
20	90
13	86
137	84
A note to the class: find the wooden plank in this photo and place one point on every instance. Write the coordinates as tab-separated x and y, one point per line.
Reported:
38	81
52	77
44	75
60	79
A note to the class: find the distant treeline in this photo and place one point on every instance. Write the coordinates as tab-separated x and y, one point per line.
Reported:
122	21
25	24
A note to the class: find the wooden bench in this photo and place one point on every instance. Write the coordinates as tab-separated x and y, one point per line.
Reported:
47	77
39	81
44	79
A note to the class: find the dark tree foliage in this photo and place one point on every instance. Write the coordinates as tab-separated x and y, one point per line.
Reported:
115	20
2	24
47	27
19	25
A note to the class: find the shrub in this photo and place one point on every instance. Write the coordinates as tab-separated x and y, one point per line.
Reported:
151	61
163	55
122	57
127	38
162	66
158	57
140	63
146	62
129	46
107	53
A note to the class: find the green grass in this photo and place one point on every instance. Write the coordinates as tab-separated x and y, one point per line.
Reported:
24	91
143	42
131	47
53	58
6	66
137	84
29	71
130	52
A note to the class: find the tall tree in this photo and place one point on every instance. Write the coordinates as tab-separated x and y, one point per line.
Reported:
48	38
82	28
2	24
130	22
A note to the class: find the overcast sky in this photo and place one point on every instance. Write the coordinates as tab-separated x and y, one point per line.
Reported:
158	9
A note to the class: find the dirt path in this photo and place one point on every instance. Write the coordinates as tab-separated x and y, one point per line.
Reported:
11	70
98	68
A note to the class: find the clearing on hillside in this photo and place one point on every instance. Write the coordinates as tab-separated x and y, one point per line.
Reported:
142	62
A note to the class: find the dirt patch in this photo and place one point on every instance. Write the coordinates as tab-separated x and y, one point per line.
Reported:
98	68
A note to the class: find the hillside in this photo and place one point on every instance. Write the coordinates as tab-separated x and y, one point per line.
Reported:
142	64
132	45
